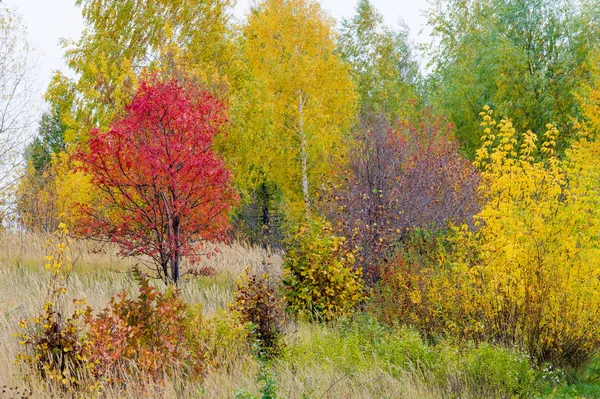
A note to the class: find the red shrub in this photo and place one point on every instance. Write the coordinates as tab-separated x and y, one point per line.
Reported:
146	336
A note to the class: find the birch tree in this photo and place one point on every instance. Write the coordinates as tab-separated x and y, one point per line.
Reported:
301	99
17	101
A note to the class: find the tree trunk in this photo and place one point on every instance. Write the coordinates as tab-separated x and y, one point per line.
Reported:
176	254
164	265
303	154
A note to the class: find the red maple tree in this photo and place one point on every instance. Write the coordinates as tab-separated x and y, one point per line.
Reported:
163	191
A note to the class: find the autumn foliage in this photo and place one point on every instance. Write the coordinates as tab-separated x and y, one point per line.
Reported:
400	176
401	224
320	281
527	275
163	191
144	335
151	336
259	306
538	242
52	342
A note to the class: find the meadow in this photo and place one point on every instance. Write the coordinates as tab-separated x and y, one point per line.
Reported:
353	358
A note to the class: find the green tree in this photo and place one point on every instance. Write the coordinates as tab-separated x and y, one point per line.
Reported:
384	69
49	141
524	58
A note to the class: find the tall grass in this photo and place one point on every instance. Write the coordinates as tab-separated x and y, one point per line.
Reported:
355	360
98	274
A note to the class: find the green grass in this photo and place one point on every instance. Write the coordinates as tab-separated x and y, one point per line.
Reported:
567	391
360	345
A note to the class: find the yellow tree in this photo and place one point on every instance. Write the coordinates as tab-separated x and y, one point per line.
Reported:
299	101
588	97
125	38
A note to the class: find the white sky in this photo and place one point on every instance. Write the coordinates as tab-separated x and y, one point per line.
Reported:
48	21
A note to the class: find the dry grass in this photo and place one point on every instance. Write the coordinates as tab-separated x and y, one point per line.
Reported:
98	275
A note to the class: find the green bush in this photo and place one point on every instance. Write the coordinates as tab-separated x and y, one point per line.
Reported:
358	344
320	282
458	370
501	370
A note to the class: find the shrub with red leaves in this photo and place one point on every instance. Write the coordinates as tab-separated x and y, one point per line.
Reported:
147	335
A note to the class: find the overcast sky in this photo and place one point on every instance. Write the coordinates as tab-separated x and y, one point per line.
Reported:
49	21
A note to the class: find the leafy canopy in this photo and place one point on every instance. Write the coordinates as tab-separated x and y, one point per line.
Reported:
524	58
298	91
122	39
383	66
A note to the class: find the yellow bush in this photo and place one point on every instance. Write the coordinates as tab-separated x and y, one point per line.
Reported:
224	337
538	267
420	287
36	200
320	282
47	196
529	274
72	187
258	303
53	345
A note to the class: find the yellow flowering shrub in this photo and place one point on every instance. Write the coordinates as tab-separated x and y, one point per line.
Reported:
529	273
